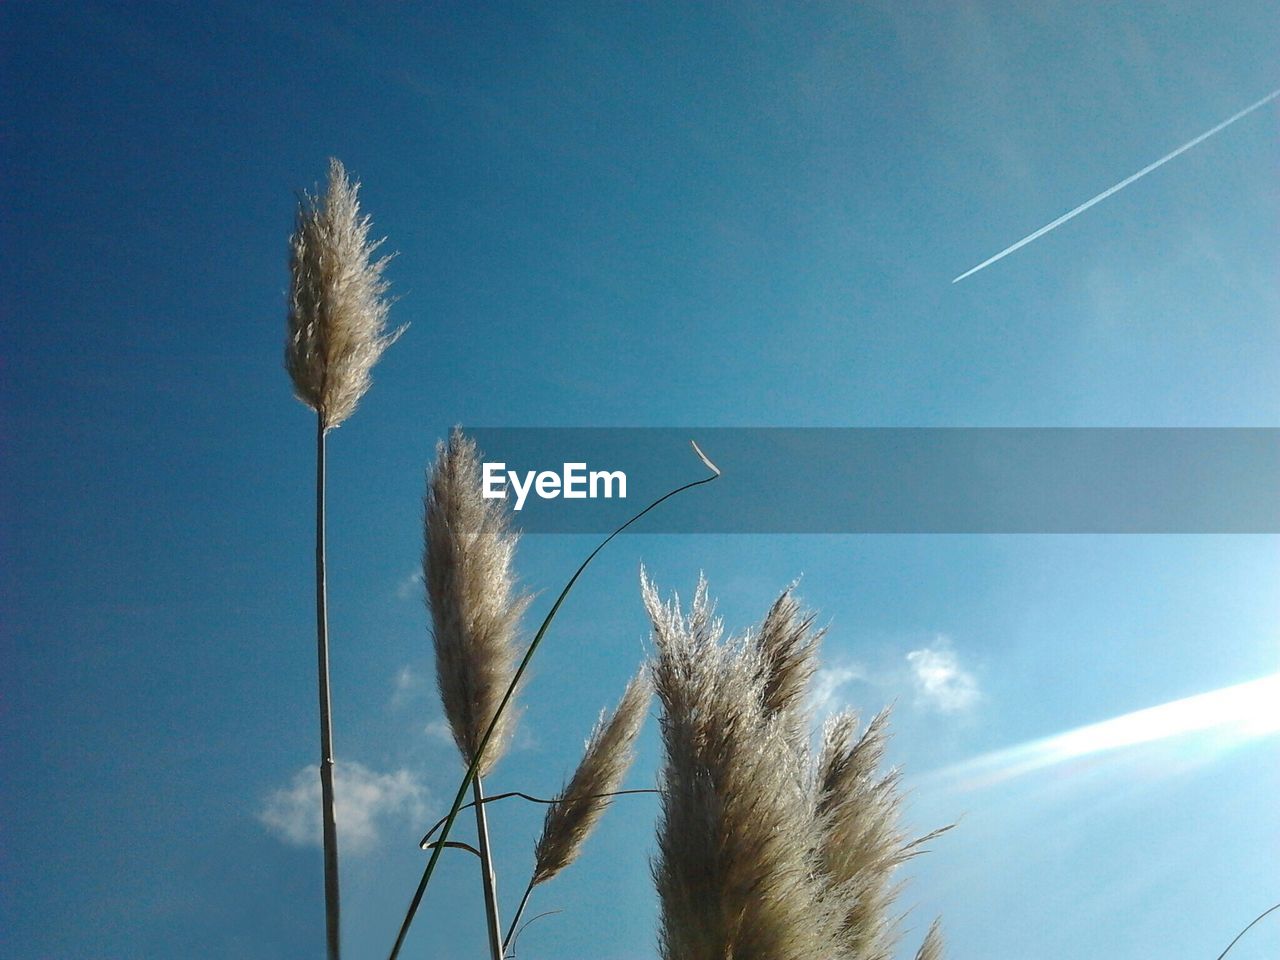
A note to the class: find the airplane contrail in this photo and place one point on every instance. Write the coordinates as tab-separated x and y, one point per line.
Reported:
1119	186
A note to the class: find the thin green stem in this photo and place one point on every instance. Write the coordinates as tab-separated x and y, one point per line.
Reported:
1246	929
511	688
326	721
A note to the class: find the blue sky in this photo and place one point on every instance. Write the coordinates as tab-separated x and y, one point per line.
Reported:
613	215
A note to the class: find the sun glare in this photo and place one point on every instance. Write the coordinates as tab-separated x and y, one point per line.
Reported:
1232	714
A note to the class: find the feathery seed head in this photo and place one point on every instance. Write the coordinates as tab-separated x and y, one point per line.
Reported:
931	948
859	812
788	645
736	872
608	755
336	328
475	605
847	760
763	854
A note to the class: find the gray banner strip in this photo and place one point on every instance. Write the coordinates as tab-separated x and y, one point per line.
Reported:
895	480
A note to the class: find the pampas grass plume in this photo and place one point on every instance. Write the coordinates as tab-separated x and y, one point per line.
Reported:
763	852
788	646
931	948
735	872
859	813
475	605
608	755
337	319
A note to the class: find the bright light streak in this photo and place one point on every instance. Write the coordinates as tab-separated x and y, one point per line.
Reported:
1234	714
1120	186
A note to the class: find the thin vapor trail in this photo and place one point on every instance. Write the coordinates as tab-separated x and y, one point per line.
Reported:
1119	186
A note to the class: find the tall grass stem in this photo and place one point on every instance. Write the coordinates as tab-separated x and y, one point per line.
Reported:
331	899
488	878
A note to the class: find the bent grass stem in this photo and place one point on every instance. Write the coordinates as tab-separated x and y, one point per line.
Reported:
426	839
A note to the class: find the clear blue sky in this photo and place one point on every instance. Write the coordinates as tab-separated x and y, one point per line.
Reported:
658	214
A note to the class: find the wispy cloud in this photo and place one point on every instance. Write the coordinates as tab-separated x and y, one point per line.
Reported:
410	585
1070	214
439	730
941	683
828	683
405	685
363	798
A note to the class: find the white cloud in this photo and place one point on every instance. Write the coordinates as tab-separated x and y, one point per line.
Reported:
410	585
828	682
525	738
362	798
439	730
404	686
941	683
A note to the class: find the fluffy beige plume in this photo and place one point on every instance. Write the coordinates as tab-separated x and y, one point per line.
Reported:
788	646
931	948
862	845
736	871
761	855
475	605
337	306
608	756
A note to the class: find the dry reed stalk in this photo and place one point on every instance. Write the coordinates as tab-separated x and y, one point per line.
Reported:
488	876
334	335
